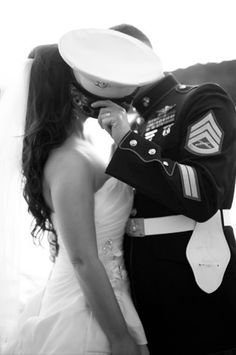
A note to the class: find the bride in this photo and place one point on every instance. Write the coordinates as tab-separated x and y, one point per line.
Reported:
85	307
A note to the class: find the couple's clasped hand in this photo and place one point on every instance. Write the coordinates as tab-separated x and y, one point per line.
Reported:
113	118
128	347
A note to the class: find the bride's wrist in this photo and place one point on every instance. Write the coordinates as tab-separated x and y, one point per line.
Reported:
119	336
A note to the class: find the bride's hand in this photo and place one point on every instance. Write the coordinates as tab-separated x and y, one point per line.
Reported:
126	346
144	350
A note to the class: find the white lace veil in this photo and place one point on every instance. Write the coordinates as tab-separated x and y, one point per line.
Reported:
14	219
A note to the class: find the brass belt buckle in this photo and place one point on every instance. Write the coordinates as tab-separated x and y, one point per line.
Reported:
135	227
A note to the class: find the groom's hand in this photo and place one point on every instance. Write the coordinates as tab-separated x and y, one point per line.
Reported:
113	118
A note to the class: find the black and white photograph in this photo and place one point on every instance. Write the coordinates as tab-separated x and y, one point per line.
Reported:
117	177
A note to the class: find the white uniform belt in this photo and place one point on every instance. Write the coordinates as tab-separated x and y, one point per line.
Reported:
141	227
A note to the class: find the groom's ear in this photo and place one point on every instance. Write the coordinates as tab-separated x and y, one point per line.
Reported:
133	32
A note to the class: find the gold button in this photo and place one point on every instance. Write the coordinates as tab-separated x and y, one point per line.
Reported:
165	163
133	143
152	151
146	101
140	120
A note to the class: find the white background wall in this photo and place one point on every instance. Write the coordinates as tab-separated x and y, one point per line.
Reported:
183	33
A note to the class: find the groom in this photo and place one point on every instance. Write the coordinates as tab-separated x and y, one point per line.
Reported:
181	159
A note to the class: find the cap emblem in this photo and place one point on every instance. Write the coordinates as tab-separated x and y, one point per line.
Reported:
102	84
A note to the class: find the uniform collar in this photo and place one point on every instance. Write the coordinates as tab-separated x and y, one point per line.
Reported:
151	95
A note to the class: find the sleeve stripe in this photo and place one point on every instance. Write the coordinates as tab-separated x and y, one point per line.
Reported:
193	182
189	182
185	180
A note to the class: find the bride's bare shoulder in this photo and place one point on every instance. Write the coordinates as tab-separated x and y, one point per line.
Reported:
67	160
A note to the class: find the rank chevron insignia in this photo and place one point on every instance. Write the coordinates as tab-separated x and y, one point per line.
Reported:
204	137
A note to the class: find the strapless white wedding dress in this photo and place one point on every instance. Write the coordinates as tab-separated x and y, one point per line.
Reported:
58	321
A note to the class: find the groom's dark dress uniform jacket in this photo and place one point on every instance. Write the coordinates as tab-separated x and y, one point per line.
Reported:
181	160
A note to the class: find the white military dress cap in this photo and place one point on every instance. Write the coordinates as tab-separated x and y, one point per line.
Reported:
109	63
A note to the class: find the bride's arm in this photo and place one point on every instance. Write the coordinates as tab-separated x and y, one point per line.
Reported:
71	183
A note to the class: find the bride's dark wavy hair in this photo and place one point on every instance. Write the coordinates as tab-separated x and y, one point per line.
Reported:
49	121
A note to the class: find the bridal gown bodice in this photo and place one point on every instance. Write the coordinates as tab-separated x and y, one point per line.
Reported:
61	320
113	202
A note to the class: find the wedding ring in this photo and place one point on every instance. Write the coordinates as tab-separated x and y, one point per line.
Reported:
106	114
